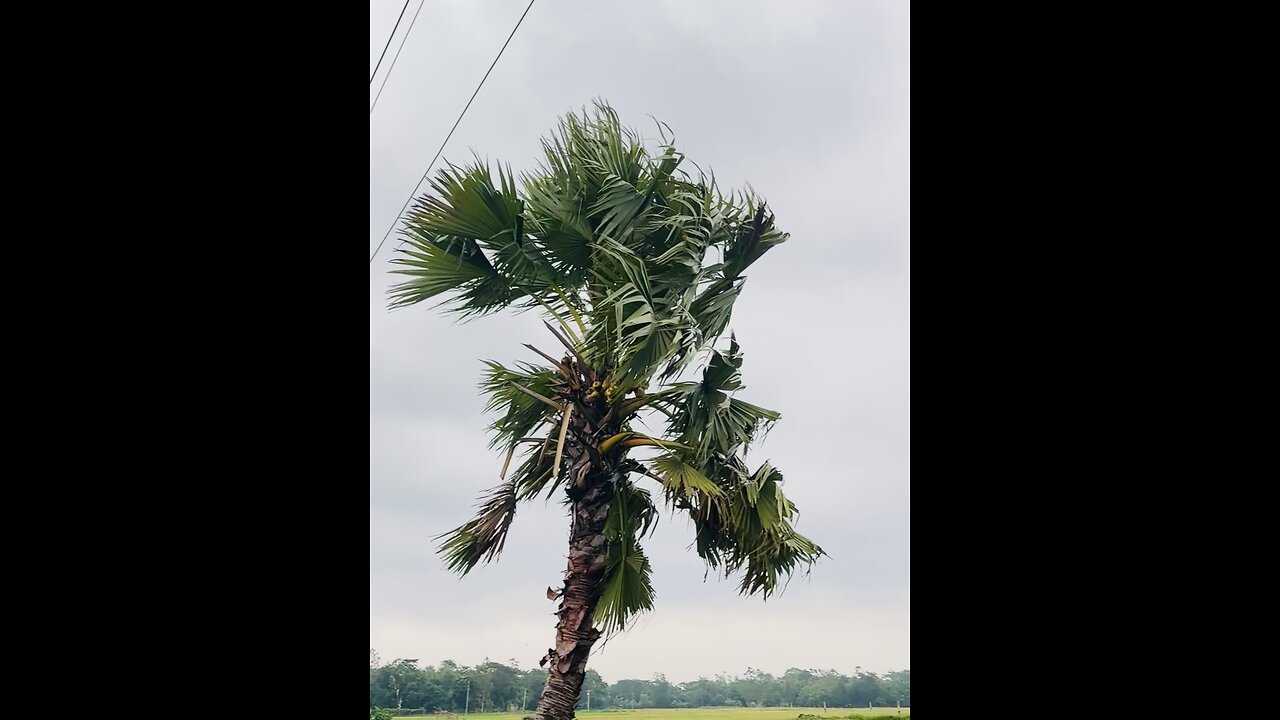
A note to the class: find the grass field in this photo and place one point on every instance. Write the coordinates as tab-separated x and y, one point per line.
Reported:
729	713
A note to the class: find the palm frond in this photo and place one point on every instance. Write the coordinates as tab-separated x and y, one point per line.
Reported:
466	215
683	481
434	269
749	529
521	412
483	537
705	416
619	205
627	585
467	204
714	306
534	473
564	428
754	237
558	226
778	557
438	263
632	328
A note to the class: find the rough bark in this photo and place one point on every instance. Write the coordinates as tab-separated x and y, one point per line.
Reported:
590	489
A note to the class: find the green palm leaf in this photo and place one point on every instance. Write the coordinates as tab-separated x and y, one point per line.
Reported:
683	480
628	588
521	413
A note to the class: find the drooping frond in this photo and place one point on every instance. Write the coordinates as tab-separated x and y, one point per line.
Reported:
749	529
706	416
532	476
483	537
627	586
751	240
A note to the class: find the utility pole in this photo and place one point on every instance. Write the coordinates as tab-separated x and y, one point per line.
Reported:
524	700
467	708
588	700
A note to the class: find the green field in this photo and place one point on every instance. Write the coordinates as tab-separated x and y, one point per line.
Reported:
731	713
728	713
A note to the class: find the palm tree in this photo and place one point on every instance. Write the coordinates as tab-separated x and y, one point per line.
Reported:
611	243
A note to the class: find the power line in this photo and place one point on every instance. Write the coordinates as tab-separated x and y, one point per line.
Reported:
389	37
446	137
387	75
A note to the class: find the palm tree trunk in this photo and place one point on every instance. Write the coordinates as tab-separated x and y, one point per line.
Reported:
583	584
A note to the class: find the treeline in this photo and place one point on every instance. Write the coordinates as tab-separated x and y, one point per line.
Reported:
493	687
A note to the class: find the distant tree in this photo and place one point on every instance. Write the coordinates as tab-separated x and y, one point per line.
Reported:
897	687
865	688
399	684
757	688
498	687
794	681
663	691
632	693
444	687
531	685
703	692
600	696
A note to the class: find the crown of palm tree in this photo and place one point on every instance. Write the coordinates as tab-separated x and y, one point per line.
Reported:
638	265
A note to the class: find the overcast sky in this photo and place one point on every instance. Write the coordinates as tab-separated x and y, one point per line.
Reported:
809	102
